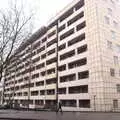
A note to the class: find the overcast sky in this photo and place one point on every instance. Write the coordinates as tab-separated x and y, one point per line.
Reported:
44	9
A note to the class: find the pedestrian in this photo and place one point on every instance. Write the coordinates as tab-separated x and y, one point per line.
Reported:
59	107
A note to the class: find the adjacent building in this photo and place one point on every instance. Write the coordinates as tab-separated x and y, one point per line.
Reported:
75	59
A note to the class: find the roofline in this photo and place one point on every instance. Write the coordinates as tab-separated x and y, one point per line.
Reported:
61	12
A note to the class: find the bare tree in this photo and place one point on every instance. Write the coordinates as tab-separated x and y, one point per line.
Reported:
14	29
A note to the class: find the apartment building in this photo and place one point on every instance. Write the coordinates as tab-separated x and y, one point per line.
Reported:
75	59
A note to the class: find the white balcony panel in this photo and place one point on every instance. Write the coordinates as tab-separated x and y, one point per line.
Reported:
74	96
74	83
51	56
51	76
74	70
51	29
72	36
72	47
51	47
52	86
70	59
71	16
53	65
50	97
71	26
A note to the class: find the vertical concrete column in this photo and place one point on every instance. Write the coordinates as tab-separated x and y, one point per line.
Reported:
77	103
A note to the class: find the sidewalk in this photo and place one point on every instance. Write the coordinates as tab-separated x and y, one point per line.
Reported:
42	115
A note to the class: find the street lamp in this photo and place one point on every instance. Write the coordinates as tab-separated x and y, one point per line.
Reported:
94	102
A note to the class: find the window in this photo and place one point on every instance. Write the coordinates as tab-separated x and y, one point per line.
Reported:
115	24
43	73
42	92
77	39
112	1
84	103
109	44
52	24
25	93
81	26
66	14
82	49
50	102
36	45
36	60
51	92
61	28
62	67
51	34
113	34
67	55
44	39
41	83
41	49
35	75
77	17
43	56
79	5
110	11
31	84
112	72
51	42
39	66
115	103
51	71
34	93
83	75
115	60
118	48
51	52
77	63
68	103
26	78
107	20
118	88
67	78
62	90
67	34
39	102
61	47
51	81
78	89
53	60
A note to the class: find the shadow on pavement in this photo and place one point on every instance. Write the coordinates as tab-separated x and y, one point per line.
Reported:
19	119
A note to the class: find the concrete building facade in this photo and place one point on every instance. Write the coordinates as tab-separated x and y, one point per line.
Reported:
75	59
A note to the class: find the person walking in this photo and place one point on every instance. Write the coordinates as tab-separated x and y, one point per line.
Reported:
59	107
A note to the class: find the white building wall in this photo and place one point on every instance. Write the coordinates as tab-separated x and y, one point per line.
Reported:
101	85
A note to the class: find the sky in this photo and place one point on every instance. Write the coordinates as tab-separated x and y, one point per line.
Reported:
43	10
46	9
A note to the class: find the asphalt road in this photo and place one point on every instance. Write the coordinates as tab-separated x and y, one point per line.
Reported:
40	115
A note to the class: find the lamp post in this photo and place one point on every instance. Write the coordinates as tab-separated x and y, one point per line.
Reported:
30	76
94	102
57	66
14	83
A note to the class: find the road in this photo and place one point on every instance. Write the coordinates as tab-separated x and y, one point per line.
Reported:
42	115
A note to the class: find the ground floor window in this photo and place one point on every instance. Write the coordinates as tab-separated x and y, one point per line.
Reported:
84	103
68	103
39	102
115	103
50	102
